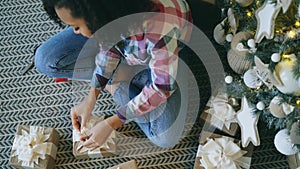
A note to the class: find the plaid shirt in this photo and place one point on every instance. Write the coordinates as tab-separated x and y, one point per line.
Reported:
158	48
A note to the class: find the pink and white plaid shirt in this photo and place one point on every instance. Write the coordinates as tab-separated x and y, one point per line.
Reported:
157	47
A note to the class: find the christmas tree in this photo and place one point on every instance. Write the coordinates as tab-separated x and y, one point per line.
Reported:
262	40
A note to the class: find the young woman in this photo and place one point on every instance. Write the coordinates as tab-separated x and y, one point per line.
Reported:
151	98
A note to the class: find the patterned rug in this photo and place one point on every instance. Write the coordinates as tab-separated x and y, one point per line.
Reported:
34	99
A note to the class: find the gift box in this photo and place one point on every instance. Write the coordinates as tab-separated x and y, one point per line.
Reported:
107	149
34	147
294	161
217	151
219	113
127	165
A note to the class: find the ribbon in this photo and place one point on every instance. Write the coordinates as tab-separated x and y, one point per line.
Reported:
80	149
221	153
32	146
222	112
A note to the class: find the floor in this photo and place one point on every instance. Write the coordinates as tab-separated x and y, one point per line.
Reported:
34	99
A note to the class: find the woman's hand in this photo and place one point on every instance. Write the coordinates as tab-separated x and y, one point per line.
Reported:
81	113
96	136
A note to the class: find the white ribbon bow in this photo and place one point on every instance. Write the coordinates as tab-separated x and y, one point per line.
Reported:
32	146
80	149
222	112
222	153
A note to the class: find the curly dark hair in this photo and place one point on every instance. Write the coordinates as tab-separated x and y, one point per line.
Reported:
96	13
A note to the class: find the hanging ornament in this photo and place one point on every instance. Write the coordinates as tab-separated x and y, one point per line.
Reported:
238	63
219	32
244	3
279	109
299	10
251	79
283	143
229	37
251	43
264	74
260	105
248	122
228	79
266	16
236	44
275	57
233	22
295	137
284	73
285	4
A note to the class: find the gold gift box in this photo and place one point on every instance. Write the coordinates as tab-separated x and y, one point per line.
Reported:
49	161
207	117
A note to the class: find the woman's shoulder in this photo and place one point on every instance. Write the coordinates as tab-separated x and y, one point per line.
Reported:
175	7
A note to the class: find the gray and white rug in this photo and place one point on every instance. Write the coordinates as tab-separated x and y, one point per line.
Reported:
34	99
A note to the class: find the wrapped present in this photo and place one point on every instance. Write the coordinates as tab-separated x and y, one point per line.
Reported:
127	165
34	147
81	152
220	114
217	151
294	161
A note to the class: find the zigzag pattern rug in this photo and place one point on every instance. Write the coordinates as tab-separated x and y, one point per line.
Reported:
34	99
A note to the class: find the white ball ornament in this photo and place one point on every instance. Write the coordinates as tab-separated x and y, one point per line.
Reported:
229	37
283	143
260	105
251	43
228	79
275	57
284	72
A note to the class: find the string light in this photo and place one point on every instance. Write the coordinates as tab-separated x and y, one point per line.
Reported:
297	24
289	58
249	14
291	33
298	102
284	56
279	31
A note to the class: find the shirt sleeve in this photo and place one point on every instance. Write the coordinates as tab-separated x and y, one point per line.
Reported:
106	64
163	65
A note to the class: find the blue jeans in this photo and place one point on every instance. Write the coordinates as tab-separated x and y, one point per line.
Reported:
64	56
163	125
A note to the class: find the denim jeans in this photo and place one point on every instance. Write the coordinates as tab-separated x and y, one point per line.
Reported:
64	55
163	125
